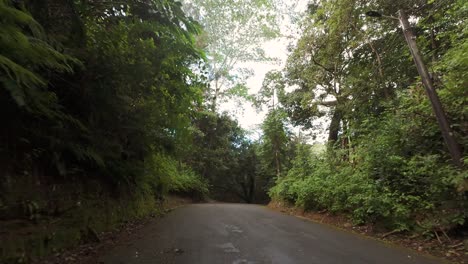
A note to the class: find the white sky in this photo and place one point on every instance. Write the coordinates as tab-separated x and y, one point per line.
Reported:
246	114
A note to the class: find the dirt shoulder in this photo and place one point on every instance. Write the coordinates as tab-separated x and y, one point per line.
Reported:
87	253
450	249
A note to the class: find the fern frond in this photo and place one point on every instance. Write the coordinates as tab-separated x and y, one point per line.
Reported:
19	74
24	54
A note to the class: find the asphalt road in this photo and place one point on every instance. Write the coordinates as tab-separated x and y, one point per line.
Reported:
238	233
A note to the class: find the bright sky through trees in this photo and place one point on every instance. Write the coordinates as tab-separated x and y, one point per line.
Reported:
249	117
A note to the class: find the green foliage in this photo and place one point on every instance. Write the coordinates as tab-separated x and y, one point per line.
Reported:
133	97
25	53
274	144
273	87
97	100
355	191
164	174
387	163
233	33
225	157
187	181
389	178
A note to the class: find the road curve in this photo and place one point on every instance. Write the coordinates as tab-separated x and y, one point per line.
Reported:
239	233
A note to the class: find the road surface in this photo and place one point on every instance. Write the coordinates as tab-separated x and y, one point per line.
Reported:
239	233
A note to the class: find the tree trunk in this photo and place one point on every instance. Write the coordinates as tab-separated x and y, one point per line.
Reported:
215	96
252	188
277	162
334	127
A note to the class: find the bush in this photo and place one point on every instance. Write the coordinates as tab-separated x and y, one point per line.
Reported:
165	174
425	189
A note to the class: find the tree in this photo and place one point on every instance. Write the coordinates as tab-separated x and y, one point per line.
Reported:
113	113
233	33
226	158
391	167
96	101
273	88
332	64
274	142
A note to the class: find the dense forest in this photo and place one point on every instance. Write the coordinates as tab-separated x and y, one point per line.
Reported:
109	106
386	161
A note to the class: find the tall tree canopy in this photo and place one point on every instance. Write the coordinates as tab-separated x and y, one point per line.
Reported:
233	34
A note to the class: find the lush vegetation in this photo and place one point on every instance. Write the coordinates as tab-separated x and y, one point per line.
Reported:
386	162
97	100
108	106
102	107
